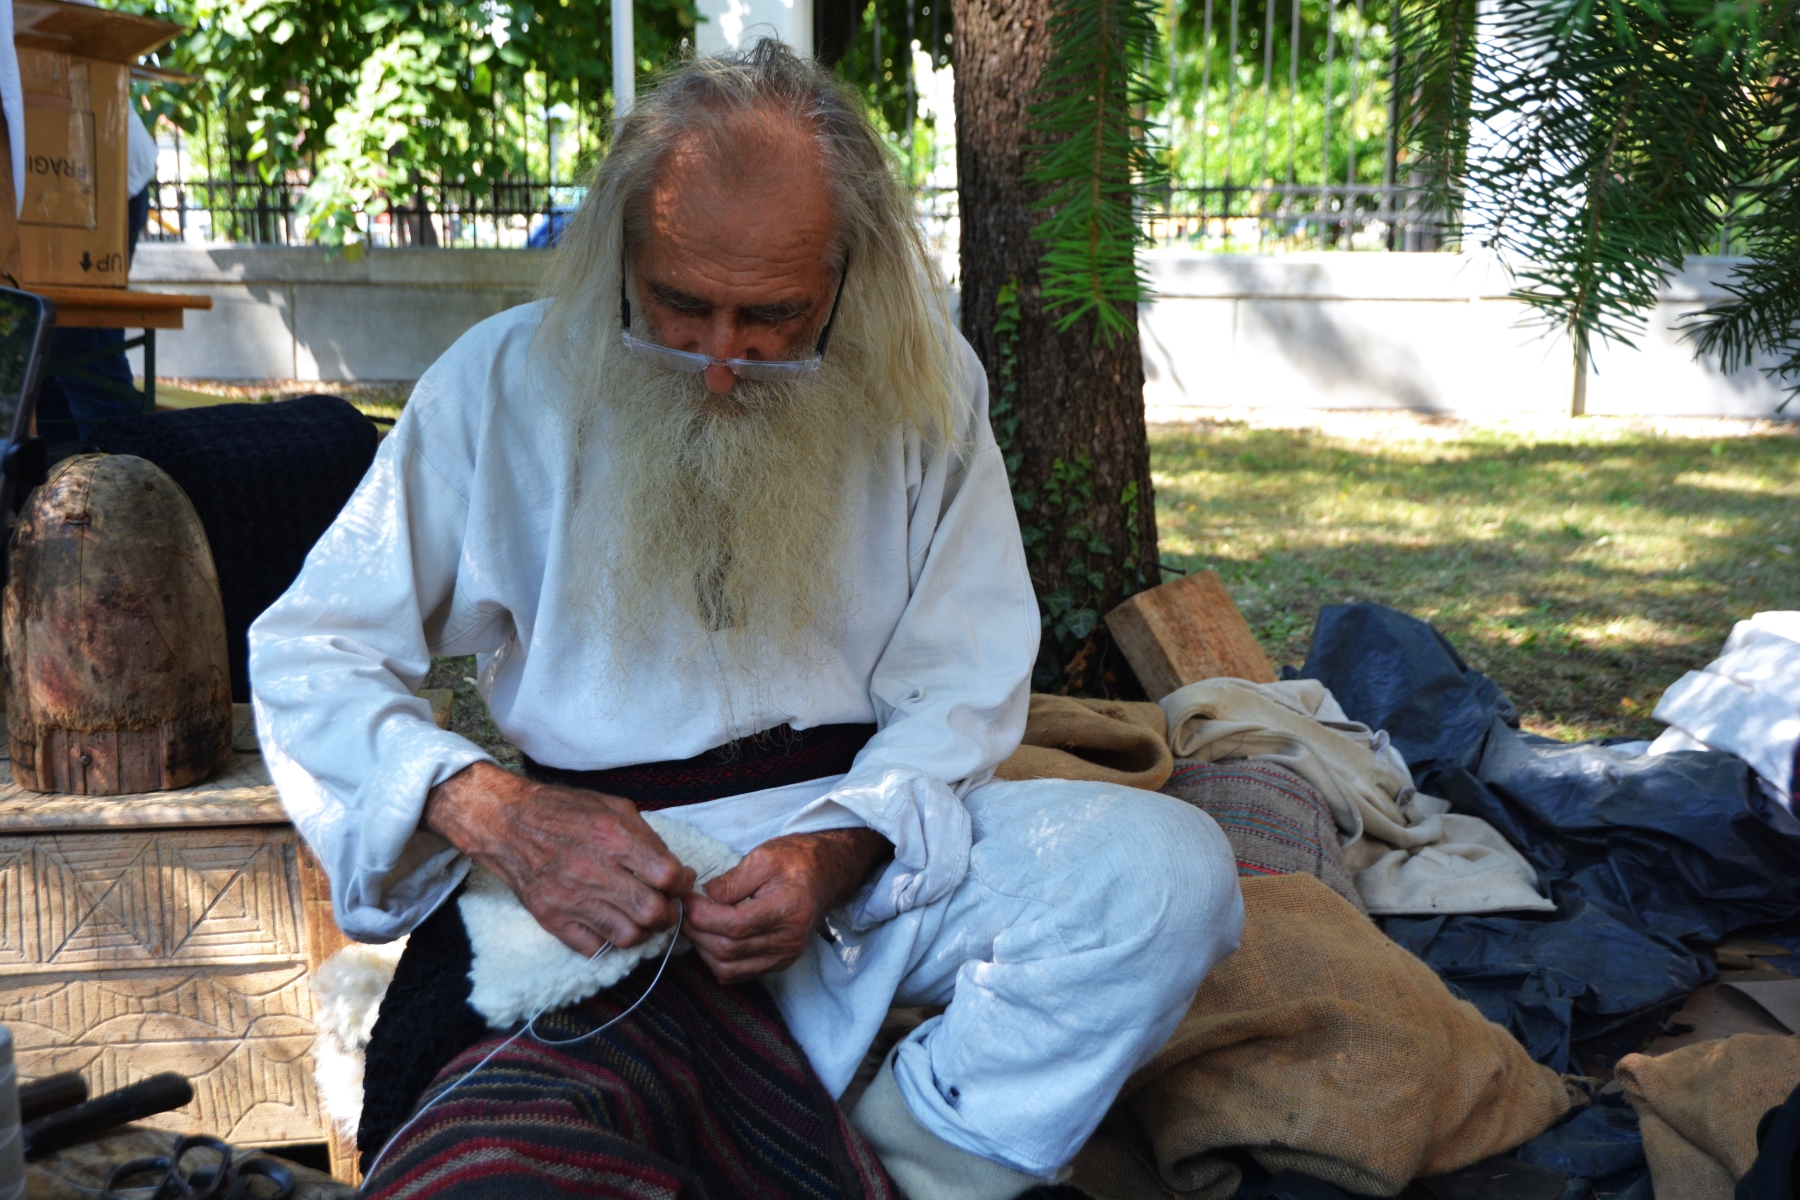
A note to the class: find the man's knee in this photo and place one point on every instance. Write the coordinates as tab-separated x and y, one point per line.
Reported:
1146	875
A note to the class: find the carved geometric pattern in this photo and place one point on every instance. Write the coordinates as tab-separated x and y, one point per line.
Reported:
117	899
158	1006
15	863
254	1091
127	953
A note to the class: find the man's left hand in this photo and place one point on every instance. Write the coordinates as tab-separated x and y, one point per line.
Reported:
755	918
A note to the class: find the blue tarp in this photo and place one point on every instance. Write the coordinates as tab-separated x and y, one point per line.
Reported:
1647	858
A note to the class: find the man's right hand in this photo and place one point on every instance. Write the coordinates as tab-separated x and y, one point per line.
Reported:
585	864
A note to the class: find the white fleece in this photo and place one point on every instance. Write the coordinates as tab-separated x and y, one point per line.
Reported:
520	968
347	990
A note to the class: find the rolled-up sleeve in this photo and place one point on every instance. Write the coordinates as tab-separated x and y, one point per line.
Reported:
334	664
951	689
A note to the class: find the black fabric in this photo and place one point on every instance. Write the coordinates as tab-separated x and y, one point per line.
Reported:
425	1021
773	758
1775	1175
266	481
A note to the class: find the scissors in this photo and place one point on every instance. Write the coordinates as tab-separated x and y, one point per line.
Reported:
213	1176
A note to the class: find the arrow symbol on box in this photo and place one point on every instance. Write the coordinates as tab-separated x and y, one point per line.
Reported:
87	260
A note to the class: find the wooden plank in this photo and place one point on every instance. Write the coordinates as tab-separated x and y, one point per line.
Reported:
1185	631
120	308
92	902
238	794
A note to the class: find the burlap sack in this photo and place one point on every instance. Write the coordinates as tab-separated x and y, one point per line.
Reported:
1110	741
1321	1046
1699	1107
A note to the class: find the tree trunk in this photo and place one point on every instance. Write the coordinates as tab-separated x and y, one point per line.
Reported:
1082	475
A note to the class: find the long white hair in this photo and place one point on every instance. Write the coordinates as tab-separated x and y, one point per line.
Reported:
739	520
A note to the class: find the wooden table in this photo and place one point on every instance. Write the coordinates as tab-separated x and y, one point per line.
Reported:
118	308
171	931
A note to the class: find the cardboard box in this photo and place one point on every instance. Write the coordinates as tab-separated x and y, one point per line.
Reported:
75	70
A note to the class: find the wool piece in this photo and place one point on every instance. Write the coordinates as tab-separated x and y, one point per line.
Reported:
347	990
1276	823
1321	1047
1699	1107
701	1094
519	968
1109	741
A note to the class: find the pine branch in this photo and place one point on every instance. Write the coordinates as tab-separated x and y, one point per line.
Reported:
1095	157
1606	141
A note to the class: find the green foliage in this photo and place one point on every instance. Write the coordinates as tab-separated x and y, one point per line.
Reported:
372	98
1598	144
1096	161
875	62
1224	126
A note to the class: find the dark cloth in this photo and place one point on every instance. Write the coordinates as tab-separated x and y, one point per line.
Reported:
701	1094
266	480
773	758
426	1022
1775	1175
1647	858
68	408
1276	823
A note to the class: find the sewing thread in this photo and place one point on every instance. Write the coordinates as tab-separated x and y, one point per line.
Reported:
529	1027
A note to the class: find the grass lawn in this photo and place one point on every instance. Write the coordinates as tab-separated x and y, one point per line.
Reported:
1583	565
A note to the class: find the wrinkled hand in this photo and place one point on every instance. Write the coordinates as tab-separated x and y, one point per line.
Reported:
755	918
584	864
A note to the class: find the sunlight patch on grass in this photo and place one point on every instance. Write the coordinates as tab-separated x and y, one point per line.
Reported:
1581	566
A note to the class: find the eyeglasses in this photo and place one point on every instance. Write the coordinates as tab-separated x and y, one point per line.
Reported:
687	362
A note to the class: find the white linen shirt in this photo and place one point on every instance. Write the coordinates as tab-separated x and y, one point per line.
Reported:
457	541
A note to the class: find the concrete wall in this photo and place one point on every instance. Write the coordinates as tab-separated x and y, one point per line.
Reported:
1431	332
303	313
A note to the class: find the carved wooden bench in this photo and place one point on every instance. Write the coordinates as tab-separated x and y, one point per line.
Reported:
170	931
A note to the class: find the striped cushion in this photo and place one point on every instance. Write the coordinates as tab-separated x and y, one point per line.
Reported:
1276	823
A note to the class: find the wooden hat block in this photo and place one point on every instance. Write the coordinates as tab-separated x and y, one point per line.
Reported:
115	635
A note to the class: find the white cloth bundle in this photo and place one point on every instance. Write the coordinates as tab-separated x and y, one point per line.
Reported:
1407	852
1746	702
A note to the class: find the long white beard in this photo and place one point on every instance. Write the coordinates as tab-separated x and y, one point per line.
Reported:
729	509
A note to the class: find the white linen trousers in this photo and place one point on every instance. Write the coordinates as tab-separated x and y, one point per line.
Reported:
1087	919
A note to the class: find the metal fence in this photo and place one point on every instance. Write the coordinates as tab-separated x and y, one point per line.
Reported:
507	214
1273	218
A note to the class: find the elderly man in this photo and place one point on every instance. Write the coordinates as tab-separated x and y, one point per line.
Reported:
725	524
